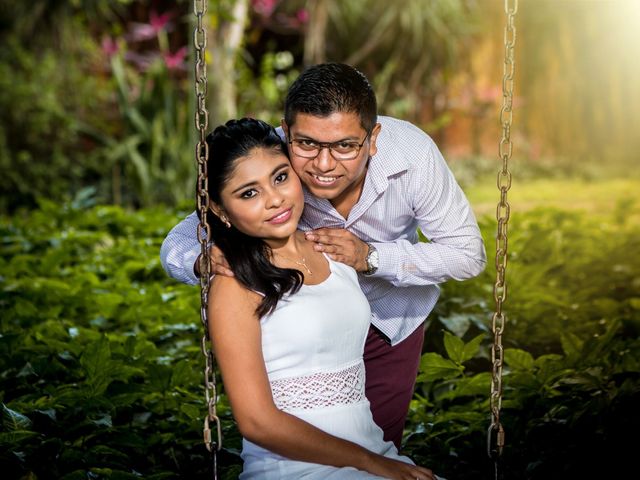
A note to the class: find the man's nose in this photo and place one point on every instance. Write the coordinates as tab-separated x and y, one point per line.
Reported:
324	162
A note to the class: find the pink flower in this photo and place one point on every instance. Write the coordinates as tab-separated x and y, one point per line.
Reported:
141	32
264	7
109	46
148	31
302	15
175	61
159	22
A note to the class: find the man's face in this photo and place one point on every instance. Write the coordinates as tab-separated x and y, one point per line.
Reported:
325	176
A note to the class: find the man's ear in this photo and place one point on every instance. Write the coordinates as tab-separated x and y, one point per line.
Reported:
373	147
285	128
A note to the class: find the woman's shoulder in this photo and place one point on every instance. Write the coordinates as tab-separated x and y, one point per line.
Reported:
227	293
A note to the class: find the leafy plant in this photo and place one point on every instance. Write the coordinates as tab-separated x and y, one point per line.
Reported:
558	409
100	352
43	101
572	362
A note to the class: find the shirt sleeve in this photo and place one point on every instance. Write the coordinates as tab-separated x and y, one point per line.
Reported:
455	249
180	250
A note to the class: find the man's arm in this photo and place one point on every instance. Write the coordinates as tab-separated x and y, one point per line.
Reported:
455	250
180	250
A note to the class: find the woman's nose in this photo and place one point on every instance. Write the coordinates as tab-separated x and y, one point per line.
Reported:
275	198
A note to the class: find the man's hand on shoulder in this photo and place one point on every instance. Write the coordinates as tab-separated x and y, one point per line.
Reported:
341	245
219	265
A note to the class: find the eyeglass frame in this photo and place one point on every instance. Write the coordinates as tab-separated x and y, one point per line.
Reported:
327	145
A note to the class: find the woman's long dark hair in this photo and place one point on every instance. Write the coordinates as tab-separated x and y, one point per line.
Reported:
248	257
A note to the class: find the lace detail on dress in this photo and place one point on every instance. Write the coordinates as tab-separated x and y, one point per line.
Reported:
323	389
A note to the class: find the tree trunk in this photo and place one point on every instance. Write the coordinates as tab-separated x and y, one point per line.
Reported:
225	43
315	42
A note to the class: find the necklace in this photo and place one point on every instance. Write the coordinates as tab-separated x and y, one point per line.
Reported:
302	263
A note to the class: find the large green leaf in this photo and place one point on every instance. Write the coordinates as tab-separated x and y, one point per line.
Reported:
13	420
518	359
435	367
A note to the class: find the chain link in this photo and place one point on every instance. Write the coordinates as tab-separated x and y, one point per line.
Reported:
496	434
212	430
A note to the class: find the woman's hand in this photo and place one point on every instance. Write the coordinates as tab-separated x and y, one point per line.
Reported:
397	470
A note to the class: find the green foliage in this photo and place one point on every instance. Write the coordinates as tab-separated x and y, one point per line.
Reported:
100	350
407	48
101	364
568	272
558	410
37	21
262	95
43	98
153	144
73	116
572	360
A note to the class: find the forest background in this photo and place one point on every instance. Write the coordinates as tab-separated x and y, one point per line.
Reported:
100	369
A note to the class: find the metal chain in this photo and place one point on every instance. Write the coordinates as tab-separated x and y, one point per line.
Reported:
496	434
211	421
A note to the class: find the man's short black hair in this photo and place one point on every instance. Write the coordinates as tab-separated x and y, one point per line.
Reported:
328	88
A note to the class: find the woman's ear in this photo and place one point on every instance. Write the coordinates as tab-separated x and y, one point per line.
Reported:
218	211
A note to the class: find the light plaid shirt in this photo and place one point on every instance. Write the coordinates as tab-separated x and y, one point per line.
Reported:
408	186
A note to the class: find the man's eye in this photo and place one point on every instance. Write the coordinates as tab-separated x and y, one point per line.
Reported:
344	146
307	143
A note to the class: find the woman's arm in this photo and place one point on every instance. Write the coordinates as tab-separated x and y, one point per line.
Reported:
236	337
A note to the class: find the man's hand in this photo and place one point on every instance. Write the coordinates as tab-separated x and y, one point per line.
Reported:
219	265
341	245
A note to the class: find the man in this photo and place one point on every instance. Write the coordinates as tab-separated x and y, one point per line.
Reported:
370	183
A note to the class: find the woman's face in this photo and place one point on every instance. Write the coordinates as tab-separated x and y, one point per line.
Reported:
263	197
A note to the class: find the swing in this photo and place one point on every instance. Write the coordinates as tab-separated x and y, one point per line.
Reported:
212	428
495	433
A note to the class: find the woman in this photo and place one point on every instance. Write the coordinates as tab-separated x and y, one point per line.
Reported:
289	328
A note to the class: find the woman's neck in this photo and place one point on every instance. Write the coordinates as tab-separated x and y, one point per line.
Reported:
290	247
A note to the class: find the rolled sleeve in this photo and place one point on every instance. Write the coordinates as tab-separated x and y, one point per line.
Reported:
180	250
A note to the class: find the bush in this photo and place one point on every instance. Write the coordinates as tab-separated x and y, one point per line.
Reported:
572	361
100	350
42	103
101	364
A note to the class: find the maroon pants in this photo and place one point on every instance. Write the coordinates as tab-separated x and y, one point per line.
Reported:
391	378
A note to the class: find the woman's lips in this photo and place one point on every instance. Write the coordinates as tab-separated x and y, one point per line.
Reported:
281	217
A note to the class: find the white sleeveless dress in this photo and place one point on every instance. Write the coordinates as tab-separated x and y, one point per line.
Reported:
312	345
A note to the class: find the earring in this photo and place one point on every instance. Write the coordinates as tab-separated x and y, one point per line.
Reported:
226	222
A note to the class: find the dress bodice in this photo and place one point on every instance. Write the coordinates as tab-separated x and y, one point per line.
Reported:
320	328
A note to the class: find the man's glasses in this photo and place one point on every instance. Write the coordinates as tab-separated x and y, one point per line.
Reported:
310	149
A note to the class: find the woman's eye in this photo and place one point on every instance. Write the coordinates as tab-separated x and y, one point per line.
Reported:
248	194
281	177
